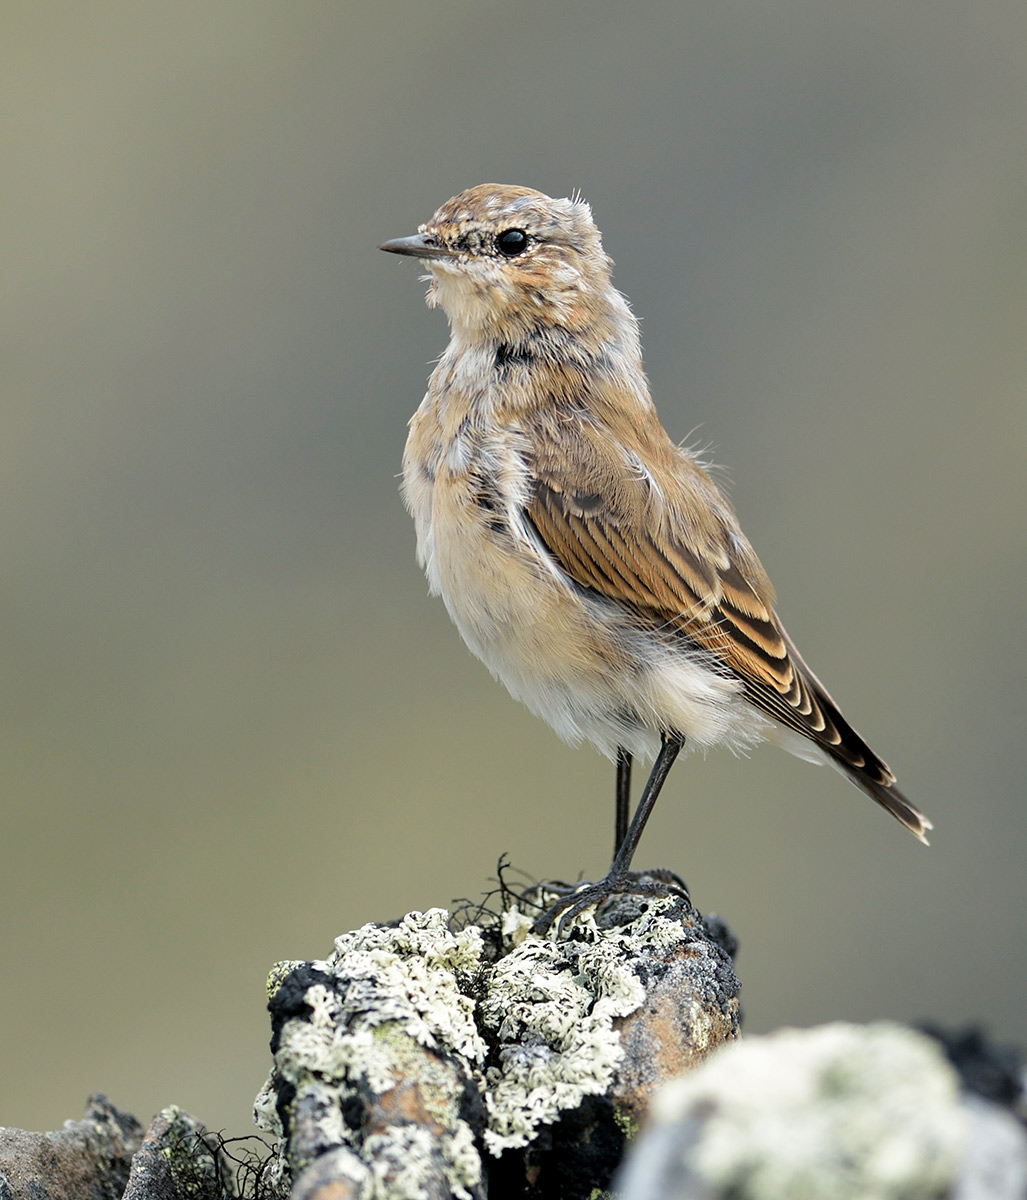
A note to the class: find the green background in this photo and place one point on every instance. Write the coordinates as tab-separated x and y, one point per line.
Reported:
235	726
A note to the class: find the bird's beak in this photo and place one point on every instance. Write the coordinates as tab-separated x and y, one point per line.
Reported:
420	245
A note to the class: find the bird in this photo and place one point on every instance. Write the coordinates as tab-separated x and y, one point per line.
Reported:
589	561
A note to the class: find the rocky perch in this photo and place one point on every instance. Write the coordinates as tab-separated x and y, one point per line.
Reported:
435	1058
463	1057
109	1156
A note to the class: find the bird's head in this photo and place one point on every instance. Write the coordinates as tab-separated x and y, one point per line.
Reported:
505	260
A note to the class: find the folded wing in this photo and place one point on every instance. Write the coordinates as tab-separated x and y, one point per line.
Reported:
664	543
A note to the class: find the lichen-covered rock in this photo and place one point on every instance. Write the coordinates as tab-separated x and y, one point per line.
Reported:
107	1156
426	1060
375	1044
85	1160
690	1009
178	1160
838	1112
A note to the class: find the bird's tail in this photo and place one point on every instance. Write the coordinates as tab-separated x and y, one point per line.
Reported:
874	783
845	749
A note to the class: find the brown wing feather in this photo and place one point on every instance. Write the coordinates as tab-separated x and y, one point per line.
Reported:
672	552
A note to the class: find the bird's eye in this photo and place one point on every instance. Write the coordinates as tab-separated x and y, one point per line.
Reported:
512	242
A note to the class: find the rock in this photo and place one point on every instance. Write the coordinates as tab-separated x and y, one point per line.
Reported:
835	1112
994	1166
107	1156
85	1160
178	1160
425	1058
985	1067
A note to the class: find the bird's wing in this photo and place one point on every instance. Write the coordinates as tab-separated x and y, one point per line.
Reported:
664	544
659	539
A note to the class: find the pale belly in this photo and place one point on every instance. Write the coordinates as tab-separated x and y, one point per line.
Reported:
584	666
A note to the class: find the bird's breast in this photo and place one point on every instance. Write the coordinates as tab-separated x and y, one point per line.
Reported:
466	483
580	663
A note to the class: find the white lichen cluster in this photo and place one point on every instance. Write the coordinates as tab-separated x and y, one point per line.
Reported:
411	973
838	1111
557	1042
552	1007
396	986
547	1007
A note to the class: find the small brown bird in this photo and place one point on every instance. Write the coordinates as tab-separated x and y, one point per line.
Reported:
587	560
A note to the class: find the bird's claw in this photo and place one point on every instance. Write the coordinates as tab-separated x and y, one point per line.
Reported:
582	896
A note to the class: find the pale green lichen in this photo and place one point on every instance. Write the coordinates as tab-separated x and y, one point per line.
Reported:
410	972
265	1110
191	1159
278	973
515	925
552	1006
626	1125
397	988
827	1113
396	1159
557	1042
549	1008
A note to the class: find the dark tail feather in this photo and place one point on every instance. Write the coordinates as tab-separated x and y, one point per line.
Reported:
846	749
871	774
889	797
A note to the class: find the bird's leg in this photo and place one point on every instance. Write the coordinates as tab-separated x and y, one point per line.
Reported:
623	798
669	750
616	879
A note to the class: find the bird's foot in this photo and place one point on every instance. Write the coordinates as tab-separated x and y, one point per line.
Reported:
606	897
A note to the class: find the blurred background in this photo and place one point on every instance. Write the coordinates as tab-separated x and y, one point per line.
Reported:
234	724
